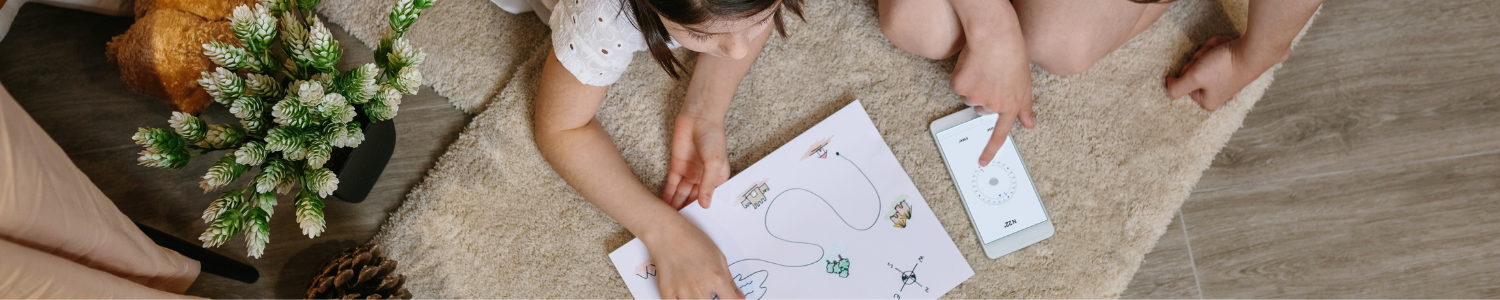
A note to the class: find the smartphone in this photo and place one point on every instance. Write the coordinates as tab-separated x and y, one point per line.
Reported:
1001	200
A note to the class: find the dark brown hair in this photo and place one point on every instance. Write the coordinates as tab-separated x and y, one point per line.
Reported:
647	15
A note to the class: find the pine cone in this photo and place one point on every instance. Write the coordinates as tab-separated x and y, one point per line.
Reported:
359	273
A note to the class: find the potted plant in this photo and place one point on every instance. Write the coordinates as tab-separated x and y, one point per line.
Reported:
295	111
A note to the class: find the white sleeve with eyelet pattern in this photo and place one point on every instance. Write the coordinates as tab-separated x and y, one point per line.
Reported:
595	39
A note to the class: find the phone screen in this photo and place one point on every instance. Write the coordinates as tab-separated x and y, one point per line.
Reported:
1000	196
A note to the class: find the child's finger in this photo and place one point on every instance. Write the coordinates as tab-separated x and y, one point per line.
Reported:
1197	55
692	195
1182	86
1202	50
1202	99
680	197
997	139
1216	41
1028	117
705	192
983	111
670	190
729	291
715	174
1211	100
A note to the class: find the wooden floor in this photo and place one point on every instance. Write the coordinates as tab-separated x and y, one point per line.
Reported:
1371	169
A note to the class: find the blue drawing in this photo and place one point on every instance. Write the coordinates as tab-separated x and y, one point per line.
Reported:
753	285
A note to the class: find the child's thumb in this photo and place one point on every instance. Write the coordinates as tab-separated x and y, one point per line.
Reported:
706	194
1181	86
717	173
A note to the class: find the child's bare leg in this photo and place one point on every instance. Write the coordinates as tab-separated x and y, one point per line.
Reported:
922	27
1066	37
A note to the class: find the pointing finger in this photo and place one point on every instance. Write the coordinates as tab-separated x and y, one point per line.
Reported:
997	139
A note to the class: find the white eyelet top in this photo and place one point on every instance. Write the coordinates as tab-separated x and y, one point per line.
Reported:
595	39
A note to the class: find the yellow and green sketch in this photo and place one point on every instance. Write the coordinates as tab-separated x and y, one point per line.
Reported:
902	213
755	195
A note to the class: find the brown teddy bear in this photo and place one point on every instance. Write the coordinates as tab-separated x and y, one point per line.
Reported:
162	54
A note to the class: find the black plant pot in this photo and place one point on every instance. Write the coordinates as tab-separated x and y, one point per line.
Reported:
359	168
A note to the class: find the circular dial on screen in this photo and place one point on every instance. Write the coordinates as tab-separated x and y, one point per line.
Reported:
994	184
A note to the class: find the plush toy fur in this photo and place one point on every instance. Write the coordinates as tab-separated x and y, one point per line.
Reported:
162	54
212	10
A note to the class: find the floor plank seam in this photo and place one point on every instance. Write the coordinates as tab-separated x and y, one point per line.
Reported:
1336	173
1191	262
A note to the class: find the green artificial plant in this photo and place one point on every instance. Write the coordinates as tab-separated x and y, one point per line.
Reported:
294	107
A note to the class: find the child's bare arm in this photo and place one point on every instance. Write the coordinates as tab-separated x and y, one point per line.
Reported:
699	161
1223	66
992	71
582	153
1273	25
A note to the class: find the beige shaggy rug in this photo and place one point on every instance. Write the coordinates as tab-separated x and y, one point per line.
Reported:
1113	157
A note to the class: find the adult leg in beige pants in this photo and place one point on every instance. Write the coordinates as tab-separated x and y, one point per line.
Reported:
55	222
27	273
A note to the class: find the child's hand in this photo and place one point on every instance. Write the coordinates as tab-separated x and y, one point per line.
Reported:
998	80
699	162
1217	72
689	265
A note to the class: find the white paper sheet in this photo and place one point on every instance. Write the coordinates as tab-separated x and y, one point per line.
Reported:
830	214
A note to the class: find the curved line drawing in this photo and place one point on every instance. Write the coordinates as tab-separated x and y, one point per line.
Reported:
862	173
822	251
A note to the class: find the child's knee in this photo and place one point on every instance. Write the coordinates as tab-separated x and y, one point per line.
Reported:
916	35
912	41
1061	55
